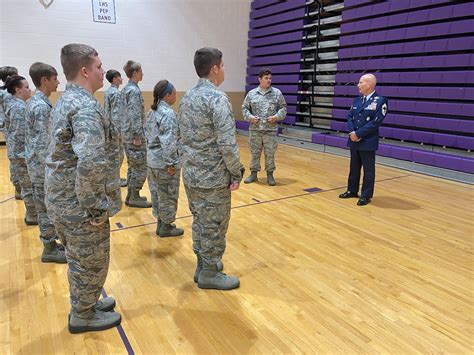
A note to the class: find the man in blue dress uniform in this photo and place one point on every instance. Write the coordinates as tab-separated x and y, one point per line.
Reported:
365	116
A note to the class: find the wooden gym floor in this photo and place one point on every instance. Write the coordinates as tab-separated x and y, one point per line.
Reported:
318	274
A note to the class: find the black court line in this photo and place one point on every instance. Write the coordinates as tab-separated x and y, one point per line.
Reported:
268	201
122	334
8	199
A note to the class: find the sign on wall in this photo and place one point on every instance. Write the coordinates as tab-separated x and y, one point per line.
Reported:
103	11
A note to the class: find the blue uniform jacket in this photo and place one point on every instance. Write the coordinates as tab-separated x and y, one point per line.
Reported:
365	120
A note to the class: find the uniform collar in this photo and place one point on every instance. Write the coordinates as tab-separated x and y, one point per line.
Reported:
369	96
43	97
263	91
207	82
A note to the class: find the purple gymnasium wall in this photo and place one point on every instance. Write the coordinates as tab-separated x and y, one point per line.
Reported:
421	52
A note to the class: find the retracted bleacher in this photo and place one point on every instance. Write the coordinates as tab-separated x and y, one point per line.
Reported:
422	52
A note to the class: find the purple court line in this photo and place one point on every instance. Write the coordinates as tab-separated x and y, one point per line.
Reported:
8	199
122	334
268	201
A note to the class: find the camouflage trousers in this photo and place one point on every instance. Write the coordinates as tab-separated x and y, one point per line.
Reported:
87	254
267	141
164	190
13	175
136	159
19	170
211	216
48	232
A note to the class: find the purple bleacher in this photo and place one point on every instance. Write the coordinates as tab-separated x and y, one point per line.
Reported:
275	59
275	49
244	125
420	62
429	46
279	6
428	92
386	7
271	30
422	31
410	120
432	77
434	107
447	161
450	11
286	37
278	18
277	69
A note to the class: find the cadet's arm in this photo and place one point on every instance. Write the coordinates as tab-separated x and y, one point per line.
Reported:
89	145
224	126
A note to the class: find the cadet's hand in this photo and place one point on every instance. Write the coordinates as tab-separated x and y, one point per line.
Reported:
97	221
171	170
272	119
137	142
254	119
354	137
234	186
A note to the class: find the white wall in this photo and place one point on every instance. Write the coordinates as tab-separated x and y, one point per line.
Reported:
161	34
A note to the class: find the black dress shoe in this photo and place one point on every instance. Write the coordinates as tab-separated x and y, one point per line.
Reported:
363	201
348	194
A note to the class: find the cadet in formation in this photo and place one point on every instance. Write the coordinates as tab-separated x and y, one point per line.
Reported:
363	121
263	107
82	187
38	122
114	105
5	72
164	169
211	167
134	136
15	129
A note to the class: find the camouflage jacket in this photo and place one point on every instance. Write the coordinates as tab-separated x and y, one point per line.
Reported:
82	172
207	143
114	106
15	127
161	133
264	104
4	97
38	122
135	113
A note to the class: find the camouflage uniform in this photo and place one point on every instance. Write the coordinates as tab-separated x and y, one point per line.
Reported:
38	136
4	98
114	106
133	128
211	161
161	137
81	184
263	104
15	128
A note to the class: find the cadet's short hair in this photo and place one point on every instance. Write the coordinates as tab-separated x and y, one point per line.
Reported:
205	59
130	67
13	82
75	56
40	70
7	71
111	74
264	71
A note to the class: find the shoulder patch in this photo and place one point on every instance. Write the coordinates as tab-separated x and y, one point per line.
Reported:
384	109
